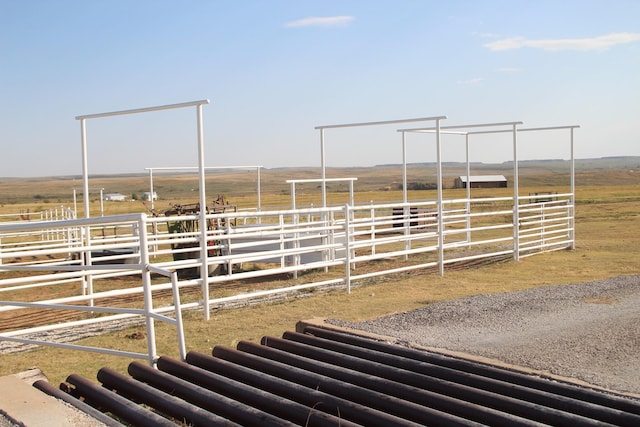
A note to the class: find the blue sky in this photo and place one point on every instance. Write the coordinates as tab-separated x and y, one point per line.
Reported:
274	70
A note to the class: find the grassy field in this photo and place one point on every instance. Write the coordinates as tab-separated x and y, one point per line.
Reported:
607	235
382	182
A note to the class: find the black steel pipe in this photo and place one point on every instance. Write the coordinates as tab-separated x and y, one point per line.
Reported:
162	402
214	402
511	390
503	404
256	397
465	395
410	402
46	387
573	391
121	407
307	396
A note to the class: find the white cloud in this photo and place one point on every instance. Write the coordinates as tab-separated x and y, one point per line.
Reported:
508	69
584	44
474	81
315	21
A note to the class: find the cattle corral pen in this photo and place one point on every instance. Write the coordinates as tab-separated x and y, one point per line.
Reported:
221	243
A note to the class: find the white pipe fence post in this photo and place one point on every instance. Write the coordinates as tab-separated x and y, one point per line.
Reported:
323	172
348	235
151	189
85	168
516	199
259	194
404	168
75	204
572	224
178	313
466	149
440	207
148	296
204	269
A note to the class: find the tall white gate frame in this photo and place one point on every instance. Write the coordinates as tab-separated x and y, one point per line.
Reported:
322	129
201	171
460	130
516	185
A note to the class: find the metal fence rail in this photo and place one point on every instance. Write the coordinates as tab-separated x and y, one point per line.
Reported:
123	251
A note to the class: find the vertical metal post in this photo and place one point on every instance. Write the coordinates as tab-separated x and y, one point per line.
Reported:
406	210
351	199
75	204
324	172
204	269
573	195
324	195
259	187
85	170
282	247
146	289
293	195
347	232
372	228
101	202
516	199
440	207
151	189
87	281
468	214
182	348
296	222
404	168
154	225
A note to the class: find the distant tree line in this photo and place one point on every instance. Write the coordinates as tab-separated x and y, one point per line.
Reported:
421	186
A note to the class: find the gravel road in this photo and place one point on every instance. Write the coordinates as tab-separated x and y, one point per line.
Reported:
587	331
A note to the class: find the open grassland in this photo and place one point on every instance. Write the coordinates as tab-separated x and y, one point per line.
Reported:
607	236
240	187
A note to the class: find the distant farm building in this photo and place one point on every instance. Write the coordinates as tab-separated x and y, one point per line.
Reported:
147	195
115	197
481	181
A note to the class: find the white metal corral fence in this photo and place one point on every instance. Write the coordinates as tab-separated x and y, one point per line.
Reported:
16	240
110	268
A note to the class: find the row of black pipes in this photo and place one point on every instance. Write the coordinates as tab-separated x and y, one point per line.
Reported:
328	378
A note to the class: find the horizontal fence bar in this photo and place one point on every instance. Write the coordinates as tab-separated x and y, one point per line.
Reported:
280	242
145	110
70	346
384	122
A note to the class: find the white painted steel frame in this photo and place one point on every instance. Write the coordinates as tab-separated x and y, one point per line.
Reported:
514	130
201	166
149	313
75	203
293	183
437	130
349	125
358	225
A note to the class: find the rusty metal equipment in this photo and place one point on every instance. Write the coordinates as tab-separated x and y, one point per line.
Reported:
186	226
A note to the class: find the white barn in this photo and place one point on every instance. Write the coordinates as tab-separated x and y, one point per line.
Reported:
114	197
481	181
